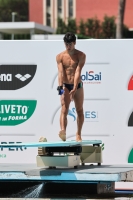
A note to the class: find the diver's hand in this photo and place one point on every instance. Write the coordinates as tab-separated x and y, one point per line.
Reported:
72	93
60	90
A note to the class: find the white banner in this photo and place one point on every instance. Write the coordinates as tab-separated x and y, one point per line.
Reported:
30	104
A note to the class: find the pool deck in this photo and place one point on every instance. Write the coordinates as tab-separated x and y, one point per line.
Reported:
87	173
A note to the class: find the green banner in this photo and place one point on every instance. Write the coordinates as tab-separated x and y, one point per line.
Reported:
14	112
130	156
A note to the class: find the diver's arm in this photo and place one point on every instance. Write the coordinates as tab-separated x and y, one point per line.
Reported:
60	70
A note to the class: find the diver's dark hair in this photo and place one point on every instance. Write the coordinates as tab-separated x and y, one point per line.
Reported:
69	37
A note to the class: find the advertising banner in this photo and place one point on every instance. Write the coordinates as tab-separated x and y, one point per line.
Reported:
30	105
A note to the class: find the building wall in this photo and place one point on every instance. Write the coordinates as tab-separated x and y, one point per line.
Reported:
99	8
36	11
128	20
82	9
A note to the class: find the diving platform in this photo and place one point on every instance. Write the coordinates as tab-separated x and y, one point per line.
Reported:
88	173
101	177
68	162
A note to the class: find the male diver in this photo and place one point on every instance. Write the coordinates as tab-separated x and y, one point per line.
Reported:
70	63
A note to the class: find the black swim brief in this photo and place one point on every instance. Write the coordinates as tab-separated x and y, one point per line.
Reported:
70	86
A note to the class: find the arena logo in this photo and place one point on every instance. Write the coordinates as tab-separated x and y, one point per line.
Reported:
14	112
88	115
13	77
5	77
130	84
91	77
130	121
18	148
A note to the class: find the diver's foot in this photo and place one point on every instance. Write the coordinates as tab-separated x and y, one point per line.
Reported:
62	135
78	138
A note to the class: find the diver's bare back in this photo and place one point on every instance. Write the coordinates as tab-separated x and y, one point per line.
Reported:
70	63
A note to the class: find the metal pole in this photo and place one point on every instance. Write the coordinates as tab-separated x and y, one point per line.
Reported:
13	20
120	18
